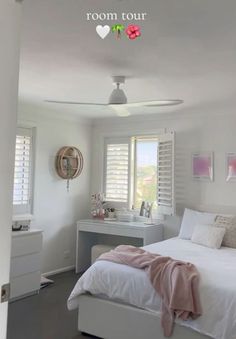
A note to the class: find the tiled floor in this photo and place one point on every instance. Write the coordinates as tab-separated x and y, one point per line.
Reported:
45	316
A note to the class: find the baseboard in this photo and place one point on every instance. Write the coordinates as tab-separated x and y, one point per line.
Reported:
59	270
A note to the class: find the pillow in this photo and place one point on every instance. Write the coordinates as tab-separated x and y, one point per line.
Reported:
208	235
229	223
191	218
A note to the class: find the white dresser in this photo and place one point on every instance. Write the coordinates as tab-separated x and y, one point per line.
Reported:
25	272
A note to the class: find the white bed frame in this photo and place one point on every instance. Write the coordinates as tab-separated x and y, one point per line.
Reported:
112	320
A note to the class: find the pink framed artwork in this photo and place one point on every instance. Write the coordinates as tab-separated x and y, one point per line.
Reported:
231	167
202	166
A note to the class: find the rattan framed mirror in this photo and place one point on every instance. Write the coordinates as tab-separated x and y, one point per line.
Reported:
69	163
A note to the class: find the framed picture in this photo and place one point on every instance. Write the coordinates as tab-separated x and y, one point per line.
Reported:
202	166
231	167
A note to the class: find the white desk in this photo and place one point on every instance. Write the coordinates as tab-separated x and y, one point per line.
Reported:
92	231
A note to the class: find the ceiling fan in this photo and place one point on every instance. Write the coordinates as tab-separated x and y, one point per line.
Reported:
118	100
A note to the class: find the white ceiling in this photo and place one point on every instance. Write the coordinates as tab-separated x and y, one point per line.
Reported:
187	51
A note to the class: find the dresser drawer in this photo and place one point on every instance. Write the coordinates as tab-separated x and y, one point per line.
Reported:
25	284
25	264
26	245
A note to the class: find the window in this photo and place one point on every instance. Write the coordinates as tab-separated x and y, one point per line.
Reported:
165	174
145	170
22	194
140	169
117	171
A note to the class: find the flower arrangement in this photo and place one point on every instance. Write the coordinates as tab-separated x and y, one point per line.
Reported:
98	202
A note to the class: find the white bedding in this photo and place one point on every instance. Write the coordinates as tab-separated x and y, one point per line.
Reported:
217	270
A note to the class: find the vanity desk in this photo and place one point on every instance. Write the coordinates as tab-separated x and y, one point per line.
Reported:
95	231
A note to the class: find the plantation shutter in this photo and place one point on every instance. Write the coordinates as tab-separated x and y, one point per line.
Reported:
165	175
23	171
117	170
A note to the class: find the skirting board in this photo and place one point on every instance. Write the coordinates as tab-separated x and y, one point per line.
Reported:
112	320
30	294
59	270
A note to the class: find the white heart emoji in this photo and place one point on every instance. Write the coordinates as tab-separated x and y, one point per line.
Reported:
103	31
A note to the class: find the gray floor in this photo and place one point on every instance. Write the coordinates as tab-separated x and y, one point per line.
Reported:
45	316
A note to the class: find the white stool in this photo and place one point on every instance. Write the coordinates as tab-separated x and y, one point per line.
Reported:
97	250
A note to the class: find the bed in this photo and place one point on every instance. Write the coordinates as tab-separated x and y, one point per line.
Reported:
117	301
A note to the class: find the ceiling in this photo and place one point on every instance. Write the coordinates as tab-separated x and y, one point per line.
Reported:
187	51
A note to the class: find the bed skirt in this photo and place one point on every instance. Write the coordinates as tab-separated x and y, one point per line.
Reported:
112	320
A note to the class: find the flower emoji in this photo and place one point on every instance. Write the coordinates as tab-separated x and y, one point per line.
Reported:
133	32
118	29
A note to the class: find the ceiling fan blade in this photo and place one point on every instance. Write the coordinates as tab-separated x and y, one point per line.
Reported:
73	103
121	110
155	103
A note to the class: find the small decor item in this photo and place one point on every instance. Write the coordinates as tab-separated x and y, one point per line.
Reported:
146	209
110	213
125	215
202	166
98	202
69	163
231	167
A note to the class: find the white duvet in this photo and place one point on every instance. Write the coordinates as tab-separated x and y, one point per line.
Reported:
129	285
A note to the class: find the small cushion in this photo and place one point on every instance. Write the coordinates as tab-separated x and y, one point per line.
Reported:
191	218
99	249
229	223
208	235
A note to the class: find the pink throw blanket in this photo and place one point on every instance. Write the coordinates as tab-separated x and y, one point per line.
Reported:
175	281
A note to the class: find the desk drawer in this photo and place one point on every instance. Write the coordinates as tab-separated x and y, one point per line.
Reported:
25	264
26	245
113	230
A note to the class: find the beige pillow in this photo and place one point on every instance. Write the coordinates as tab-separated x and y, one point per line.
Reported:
229	223
208	235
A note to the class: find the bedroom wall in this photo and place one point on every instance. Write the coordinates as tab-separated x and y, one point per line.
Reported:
208	129
55	210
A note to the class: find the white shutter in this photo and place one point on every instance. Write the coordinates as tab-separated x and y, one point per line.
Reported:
23	171
117	171
165	175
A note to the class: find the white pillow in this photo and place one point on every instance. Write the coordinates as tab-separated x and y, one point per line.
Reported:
208	235
191	218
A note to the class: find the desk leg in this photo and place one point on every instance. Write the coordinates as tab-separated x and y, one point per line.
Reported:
85	241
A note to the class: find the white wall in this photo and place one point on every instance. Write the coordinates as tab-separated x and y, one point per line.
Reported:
55	210
10	16
206	129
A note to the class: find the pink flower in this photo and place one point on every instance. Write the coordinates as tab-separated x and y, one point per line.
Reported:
133	31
